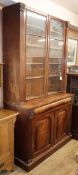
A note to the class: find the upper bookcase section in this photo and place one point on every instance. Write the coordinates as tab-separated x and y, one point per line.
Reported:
34	53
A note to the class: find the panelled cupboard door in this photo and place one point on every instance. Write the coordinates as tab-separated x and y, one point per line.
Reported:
42	132
61	122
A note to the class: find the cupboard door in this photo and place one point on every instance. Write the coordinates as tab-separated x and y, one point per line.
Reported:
61	122
43	132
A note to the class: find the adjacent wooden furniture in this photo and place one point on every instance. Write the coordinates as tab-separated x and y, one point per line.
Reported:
72	87
35	82
7	120
1	74
72	82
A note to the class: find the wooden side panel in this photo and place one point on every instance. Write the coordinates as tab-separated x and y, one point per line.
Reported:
6	144
13	53
4	133
23	137
11	44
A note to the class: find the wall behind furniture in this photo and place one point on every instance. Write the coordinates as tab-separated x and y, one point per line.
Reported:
51	8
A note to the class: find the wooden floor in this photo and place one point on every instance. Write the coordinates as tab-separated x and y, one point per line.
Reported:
62	162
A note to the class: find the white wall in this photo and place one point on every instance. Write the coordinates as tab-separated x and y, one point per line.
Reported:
52	8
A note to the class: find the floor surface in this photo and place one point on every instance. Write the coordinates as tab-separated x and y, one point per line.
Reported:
62	162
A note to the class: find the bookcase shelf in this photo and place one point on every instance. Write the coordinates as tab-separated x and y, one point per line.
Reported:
34	77
34	64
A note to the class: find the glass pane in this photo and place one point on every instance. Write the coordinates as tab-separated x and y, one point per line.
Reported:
35	46
56	48
56	29
35	24
56	53
55	35
54	84
34	88
56	44
34	70
55	69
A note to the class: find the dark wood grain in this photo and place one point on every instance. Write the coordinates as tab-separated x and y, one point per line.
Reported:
14	53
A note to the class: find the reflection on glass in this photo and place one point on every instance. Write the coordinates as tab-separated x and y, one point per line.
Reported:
34	46
34	70
34	88
56	44
54	84
56	30
55	69
35	24
56	53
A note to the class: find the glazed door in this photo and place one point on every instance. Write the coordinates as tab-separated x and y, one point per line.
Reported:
35	54
56	55
43	132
